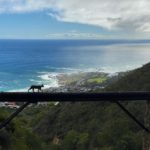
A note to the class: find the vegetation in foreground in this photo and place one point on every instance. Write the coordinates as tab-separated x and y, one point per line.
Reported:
80	126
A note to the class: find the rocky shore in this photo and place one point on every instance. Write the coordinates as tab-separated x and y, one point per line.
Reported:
81	82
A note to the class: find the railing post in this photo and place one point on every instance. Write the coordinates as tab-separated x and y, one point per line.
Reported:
146	138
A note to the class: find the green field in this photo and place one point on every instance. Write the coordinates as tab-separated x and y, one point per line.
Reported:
97	80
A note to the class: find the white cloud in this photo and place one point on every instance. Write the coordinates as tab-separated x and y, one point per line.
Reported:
110	14
132	15
74	35
19	6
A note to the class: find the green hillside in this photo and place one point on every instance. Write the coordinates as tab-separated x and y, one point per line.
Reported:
81	126
98	126
91	126
136	80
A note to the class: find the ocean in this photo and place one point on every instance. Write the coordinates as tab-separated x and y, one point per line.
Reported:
27	62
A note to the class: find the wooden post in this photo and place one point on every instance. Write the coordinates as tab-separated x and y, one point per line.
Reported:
146	138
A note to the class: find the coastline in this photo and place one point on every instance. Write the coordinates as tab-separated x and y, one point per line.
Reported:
80	82
73	81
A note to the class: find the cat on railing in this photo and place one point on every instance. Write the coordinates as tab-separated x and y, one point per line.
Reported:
38	87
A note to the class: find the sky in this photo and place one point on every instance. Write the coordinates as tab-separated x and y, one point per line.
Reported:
74	19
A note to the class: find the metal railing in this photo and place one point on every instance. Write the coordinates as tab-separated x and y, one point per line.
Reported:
115	97
82	97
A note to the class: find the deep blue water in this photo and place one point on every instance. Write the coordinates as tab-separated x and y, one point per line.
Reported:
26	62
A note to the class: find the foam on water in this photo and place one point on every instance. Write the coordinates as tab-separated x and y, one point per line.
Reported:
19	90
48	79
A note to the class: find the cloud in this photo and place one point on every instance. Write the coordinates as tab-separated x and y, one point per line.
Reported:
132	15
20	6
74	35
129	15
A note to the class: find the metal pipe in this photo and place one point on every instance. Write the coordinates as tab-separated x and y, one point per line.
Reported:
64	97
13	115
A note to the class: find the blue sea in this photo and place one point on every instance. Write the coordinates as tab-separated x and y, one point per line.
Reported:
27	62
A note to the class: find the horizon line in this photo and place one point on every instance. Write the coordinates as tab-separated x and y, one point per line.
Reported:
75	39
